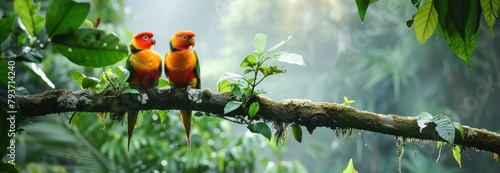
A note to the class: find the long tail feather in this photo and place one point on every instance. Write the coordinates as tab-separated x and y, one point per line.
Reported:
132	119
186	120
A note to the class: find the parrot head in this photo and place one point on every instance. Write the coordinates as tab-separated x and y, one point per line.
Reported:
182	40
141	41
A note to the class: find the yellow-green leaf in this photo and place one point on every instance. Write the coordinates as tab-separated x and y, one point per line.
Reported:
456	154
297	132
27	11
350	167
425	21
490	12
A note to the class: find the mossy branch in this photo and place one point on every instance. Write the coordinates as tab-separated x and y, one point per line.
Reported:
303	112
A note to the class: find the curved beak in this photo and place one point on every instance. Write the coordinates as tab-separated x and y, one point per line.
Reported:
192	41
153	41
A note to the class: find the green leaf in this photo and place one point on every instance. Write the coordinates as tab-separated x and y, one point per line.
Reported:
444	127
347	101
297	132
279	44
236	90
249	61
423	119
88	82
35	69
122	74
456	154
231	106
90	47
64	16
6	27
425	21
224	86
7	167
248	71
490	12
362	7
460	128
162	83
442	9
89	23
261	128
130	91
350	167
254	108
260	43
27	11
459	11
461	48
290	58
78	77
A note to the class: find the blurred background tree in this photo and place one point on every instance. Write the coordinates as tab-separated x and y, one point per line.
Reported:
378	63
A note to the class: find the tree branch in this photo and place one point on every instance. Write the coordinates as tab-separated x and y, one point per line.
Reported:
303	112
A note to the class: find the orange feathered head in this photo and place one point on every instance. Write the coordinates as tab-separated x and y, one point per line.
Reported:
141	41
182	40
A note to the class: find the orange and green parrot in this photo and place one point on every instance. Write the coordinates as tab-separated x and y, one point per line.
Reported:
182	69
144	65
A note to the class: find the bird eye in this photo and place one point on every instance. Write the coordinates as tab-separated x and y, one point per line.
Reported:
184	37
145	37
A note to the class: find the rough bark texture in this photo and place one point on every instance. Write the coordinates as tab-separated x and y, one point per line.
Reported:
303	112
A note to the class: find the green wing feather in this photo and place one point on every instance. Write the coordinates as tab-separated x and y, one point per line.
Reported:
197	71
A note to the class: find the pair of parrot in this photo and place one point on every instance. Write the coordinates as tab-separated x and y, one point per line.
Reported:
181	68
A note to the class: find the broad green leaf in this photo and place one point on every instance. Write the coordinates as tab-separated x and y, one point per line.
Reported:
78	77
459	12
456	154
254	108
461	48
423	119
350	167
459	127
64	16
249	61
35	69
261	128
6	27
297	132
362	7
290	58
490	12
279	44
231	106
260	43
122	73
90	47
224	86
425	21
236	90
473	18
88	82
248	71
443	11
444	127
27	11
